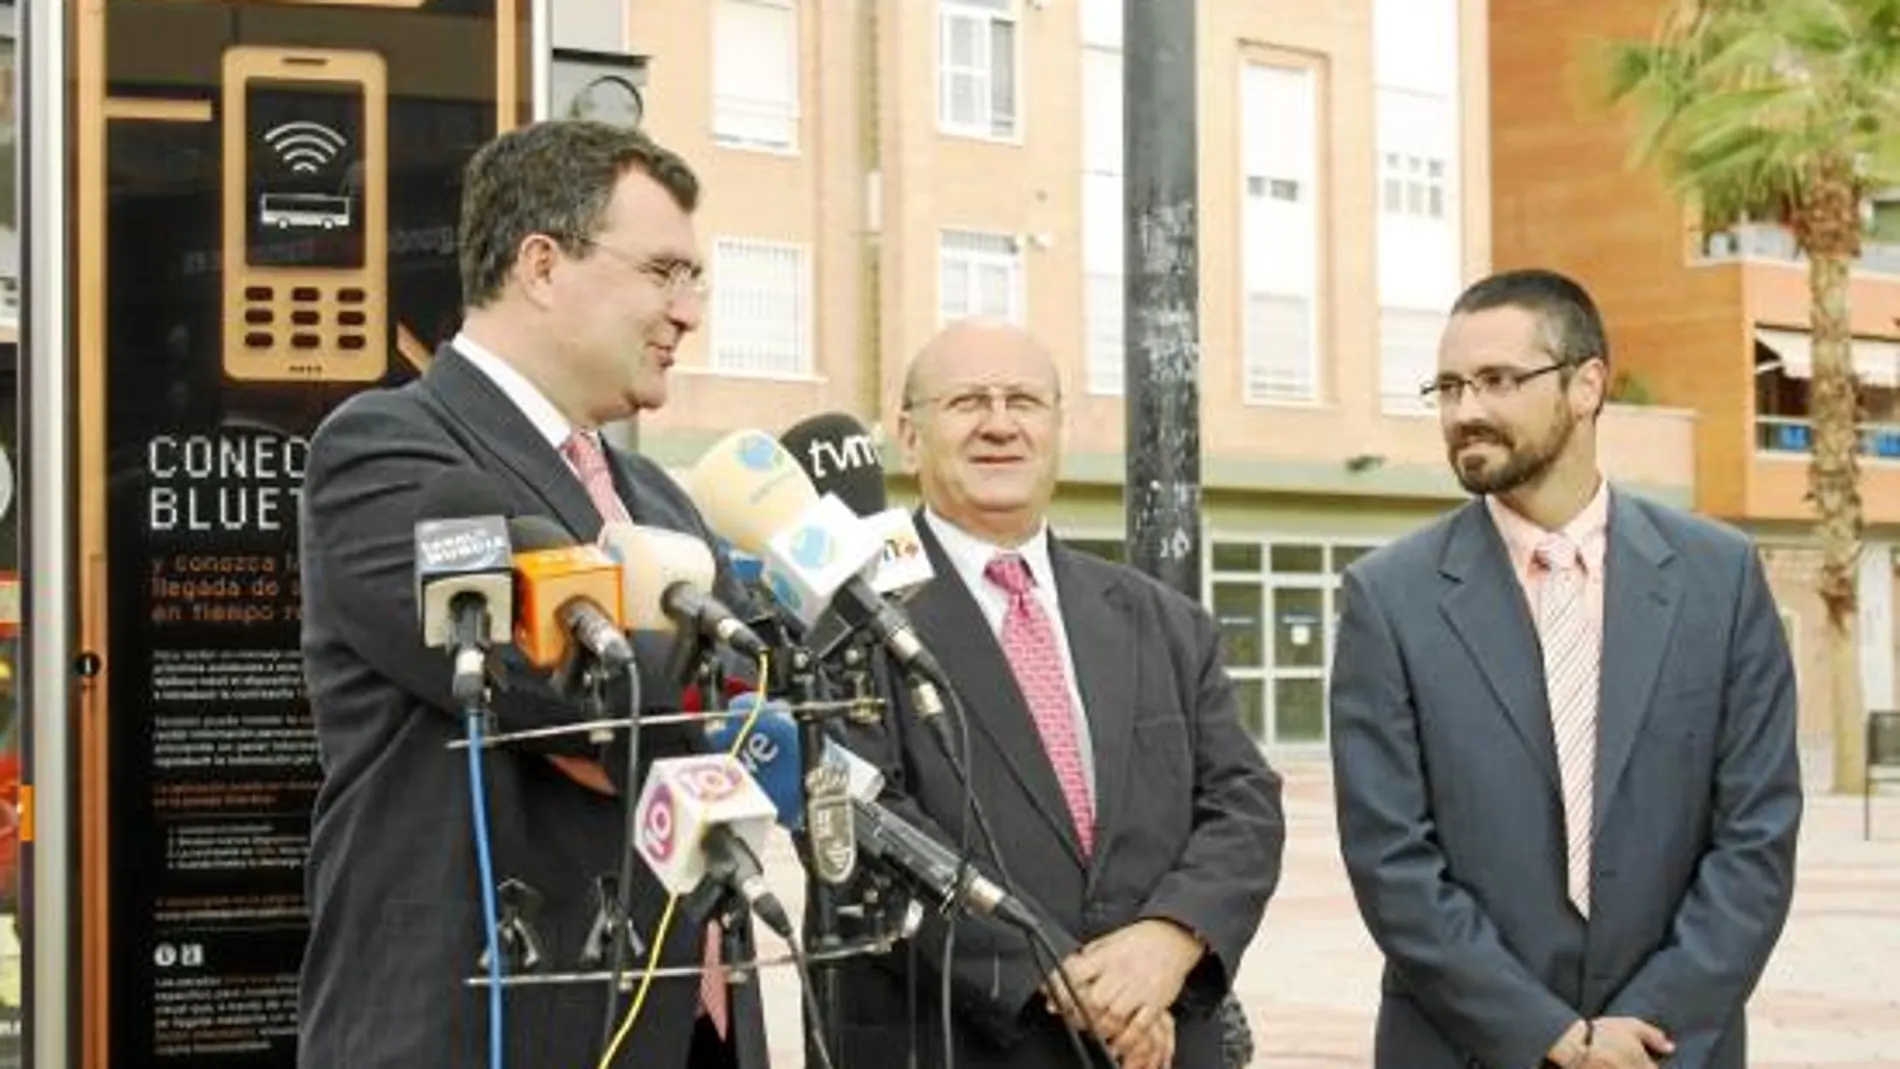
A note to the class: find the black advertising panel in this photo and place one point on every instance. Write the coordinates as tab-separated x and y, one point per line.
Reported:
280	186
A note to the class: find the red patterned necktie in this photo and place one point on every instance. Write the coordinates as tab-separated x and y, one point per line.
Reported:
590	463
1029	644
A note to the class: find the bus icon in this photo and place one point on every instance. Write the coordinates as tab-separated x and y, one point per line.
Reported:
313	211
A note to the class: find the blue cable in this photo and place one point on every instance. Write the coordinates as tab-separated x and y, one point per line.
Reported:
491	923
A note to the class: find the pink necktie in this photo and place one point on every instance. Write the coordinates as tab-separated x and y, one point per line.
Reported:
1029	644
590	463
1572	667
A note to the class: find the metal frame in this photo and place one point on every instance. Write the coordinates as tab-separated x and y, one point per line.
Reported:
47	504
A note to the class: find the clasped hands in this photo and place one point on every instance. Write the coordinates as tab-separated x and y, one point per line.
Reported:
1615	1043
1126	980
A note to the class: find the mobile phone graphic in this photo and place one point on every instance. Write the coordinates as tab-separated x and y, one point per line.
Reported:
306	215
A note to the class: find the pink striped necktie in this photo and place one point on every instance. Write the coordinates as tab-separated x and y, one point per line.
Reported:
1029	644
1572	670
590	463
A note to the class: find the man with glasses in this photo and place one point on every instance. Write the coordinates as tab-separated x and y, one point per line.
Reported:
580	277
1104	749
1563	733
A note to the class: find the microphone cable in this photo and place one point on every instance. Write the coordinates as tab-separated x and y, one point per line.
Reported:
473	712
657	938
623	893
1038	940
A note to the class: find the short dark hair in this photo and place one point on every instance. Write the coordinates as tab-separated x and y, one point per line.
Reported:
1572	326
555	178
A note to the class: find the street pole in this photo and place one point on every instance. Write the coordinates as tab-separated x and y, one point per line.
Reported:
1162	360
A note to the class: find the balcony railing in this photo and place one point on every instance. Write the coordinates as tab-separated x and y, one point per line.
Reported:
1768	241
1788	434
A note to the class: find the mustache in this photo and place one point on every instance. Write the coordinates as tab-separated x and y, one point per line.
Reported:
1474	433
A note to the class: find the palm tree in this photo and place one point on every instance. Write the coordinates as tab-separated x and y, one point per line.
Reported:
1788	110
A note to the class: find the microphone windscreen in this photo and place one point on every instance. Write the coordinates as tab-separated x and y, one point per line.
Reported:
531	533
838	455
749	488
651	560
459	492
770	752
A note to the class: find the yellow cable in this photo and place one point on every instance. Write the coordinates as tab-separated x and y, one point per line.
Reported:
658	935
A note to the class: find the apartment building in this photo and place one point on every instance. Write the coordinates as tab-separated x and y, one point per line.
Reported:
875	169
1716	322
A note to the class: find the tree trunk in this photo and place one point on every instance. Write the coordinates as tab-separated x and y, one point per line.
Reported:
1828	225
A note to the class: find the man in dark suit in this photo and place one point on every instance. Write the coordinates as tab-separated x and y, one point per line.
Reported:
1104	749
580	274
1563	732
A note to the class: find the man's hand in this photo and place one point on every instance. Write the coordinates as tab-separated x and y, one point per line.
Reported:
1127	978
1146	1048
1627	1043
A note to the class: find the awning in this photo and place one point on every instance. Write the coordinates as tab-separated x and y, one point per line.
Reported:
1876	361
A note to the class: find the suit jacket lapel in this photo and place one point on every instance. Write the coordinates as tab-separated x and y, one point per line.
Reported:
473	400
1641	596
1487	609
954	628
1095	611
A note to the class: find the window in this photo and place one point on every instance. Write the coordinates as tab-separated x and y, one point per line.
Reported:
1276	604
1415	66
755	74
979	274
1408	354
976	66
1412	185
1102	226
1280	234
761	308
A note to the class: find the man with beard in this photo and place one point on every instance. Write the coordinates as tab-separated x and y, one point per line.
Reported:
1563	734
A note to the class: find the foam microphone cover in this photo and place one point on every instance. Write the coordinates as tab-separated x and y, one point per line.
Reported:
749	488
840	457
651	560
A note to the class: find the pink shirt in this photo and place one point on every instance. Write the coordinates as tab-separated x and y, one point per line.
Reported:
1589	531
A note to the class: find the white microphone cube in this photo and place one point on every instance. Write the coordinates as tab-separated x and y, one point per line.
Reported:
904	564
809	560
685	797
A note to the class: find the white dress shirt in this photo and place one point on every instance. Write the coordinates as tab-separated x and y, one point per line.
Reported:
527	397
970	555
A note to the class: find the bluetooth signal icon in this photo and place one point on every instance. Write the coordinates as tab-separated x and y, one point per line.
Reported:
305	147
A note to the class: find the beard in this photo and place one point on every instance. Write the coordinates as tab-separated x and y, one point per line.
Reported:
1522	464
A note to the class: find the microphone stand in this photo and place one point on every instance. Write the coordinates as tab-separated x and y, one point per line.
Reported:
822	934
746	1031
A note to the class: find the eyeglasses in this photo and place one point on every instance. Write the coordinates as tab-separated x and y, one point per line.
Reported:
1490	383
674	277
1018	401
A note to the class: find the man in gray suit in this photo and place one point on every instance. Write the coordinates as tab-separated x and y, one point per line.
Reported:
1104	749
1563	733
580	276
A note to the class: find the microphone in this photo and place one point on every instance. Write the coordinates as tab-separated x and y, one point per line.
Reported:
840	457
681	568
464	573
933	867
565	594
773	753
703	816
752	491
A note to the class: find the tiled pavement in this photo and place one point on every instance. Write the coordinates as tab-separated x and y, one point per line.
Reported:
1831	995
